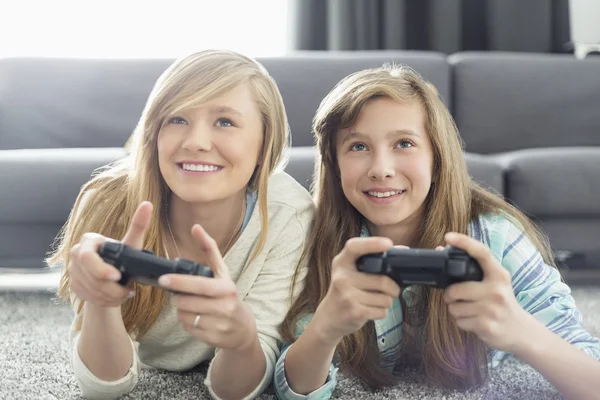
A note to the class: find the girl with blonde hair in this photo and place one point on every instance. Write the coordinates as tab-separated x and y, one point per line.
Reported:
390	172
203	182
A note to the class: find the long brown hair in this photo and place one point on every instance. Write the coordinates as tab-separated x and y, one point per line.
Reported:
451	358
115	191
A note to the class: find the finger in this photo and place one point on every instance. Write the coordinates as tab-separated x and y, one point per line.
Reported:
470	324
88	292
113	292
374	300
465	291
358	246
94	268
197	304
208	326
465	309
440	248
80	286
140	222
198	285
89	261
375	313
492	270
89	288
209	246
375	283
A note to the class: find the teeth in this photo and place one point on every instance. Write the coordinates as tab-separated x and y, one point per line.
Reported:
200	168
384	194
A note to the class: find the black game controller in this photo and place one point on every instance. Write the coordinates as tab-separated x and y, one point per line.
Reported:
144	266
436	268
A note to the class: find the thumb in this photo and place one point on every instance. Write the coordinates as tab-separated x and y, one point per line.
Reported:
209	246
139	224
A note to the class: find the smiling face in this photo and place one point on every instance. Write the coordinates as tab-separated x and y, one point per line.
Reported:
210	152
386	161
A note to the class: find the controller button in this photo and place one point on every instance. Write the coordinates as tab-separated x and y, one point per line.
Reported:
457	268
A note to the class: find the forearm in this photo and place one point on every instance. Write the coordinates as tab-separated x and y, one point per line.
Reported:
236	373
572	372
104	345
308	361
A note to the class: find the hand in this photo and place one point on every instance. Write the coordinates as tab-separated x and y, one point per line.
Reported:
487	308
354	297
224	321
94	280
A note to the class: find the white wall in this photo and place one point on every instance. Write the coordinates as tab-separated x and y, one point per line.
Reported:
137	28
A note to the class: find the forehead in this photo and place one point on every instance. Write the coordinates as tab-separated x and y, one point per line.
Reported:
240	99
382	116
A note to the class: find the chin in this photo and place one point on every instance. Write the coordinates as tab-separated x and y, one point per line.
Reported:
386	220
195	197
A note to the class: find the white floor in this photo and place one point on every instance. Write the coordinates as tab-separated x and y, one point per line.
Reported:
48	281
19	282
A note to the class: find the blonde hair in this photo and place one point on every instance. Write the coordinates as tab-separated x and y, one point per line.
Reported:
451	358
115	191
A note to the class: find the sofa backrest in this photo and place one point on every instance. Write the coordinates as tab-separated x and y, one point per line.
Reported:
305	78
501	101
510	101
56	103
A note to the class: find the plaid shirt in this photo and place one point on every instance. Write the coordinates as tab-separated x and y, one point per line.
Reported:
537	288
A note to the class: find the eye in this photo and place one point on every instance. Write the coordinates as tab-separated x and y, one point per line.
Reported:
224	123
404	144
358	147
177	121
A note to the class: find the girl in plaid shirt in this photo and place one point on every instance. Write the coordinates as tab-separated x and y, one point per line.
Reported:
390	171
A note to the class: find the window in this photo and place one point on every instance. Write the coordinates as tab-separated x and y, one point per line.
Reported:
141	29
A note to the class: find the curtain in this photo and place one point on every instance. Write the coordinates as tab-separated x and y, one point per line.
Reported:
439	25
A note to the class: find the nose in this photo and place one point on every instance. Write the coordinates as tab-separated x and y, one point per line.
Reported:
198	138
382	166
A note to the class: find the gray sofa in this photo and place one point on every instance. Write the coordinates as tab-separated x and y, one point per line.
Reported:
531	125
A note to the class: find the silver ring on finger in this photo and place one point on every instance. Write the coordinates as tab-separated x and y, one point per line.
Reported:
196	320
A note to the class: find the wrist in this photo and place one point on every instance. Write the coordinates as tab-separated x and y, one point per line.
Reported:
247	348
249	334
101	311
320	331
531	338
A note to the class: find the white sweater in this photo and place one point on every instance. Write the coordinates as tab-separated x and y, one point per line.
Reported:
264	285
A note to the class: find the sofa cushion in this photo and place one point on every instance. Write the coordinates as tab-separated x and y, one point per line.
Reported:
305	78
554	182
41	185
486	171
510	101
39	188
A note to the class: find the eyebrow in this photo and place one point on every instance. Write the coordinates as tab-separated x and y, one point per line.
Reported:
356	135
225	110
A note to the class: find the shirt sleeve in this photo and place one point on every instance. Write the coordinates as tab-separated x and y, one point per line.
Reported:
285	392
270	297
282	387
539	288
91	386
